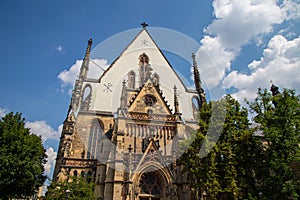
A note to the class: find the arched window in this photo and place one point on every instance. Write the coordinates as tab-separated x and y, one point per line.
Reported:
75	173
151	184
82	174
143	59
96	131
131	80
195	101
87	97
98	178
89	177
195	106
144	69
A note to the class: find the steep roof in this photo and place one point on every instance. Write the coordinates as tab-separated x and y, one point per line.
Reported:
132	46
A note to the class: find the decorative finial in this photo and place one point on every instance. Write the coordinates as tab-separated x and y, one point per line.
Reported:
196	74
85	64
194	59
144	24
124	95
88	50
124	83
90	42
176	103
130	148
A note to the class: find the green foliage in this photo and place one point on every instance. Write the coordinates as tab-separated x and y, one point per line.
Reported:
238	165
77	188
279	119
21	159
221	156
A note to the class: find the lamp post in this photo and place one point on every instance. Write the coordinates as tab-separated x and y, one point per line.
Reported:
260	195
203	195
68	176
67	193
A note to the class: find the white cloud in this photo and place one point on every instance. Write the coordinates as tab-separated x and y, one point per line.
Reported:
51	156
3	112
238	23
291	9
44	130
213	60
280	63
69	76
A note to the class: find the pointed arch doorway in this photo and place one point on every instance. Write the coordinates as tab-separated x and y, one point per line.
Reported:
152	186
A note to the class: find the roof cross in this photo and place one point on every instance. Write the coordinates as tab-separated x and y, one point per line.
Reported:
144	24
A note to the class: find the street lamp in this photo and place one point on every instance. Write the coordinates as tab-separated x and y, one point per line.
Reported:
67	193
260	195
204	195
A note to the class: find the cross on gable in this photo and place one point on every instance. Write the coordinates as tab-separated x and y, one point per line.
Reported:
144	24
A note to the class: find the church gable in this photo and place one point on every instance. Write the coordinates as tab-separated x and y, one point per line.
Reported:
151	155
149	100
142	43
140	61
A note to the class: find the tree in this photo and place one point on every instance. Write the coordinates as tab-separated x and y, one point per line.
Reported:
221	159
21	159
76	188
279	118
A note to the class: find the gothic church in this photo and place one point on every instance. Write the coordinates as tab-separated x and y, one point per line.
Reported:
122	130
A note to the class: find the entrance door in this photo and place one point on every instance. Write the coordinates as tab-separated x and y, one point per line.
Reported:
151	186
150	198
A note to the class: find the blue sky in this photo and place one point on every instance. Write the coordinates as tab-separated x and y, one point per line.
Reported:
242	45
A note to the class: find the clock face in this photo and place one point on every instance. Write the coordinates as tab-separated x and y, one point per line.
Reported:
149	100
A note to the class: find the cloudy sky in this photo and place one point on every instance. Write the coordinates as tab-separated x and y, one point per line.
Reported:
241	45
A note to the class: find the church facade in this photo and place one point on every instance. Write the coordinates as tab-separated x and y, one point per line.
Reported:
122	130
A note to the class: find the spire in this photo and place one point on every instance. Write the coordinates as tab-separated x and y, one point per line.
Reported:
77	93
197	81
196	74
176	103
85	64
